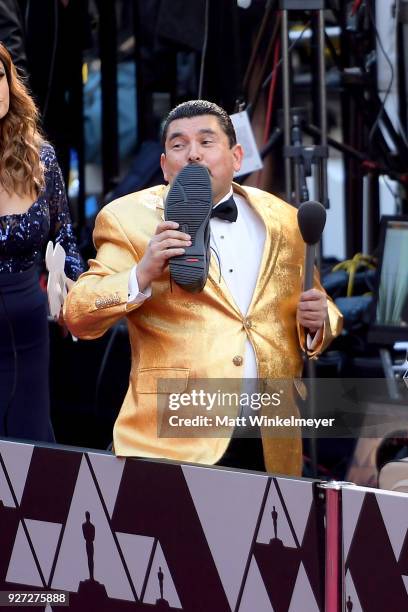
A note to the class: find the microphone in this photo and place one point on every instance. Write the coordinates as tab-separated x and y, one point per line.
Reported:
311	220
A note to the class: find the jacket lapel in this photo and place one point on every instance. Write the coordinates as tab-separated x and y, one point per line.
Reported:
219	284
273	234
273	238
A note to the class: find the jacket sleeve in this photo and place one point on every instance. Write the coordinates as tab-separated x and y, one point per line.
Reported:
60	219
100	296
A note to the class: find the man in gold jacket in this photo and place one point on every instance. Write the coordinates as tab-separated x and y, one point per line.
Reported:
176	335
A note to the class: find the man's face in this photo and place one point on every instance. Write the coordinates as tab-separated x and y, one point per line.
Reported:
4	92
201	140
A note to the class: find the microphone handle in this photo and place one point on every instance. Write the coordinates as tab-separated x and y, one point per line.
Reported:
309	266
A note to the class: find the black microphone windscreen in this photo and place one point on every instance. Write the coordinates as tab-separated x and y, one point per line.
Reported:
311	220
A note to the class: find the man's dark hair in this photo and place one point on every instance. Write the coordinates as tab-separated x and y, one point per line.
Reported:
196	108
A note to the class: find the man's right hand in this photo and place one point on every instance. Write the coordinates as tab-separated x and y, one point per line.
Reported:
167	242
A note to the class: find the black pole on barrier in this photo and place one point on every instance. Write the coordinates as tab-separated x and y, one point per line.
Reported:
299	159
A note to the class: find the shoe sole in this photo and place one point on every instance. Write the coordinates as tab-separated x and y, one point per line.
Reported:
189	203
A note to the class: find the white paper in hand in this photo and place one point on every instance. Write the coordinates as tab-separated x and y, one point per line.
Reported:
58	282
56	287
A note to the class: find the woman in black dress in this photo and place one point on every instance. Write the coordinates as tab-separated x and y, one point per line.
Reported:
33	210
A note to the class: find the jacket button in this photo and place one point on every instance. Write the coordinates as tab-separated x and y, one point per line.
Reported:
238	361
247	323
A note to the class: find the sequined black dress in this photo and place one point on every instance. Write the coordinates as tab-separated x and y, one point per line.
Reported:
24	344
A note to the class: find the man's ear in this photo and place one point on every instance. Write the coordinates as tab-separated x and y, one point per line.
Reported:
163	165
238	155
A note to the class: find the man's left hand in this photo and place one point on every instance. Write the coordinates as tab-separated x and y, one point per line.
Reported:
312	309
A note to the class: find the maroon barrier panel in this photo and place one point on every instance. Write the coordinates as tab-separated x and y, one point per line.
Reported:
333	555
148	535
375	549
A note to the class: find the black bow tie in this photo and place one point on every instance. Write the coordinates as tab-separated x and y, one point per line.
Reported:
226	210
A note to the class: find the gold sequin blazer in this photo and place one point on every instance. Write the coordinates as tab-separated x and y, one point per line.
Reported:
183	336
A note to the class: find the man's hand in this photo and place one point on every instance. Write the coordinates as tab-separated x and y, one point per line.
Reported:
312	309
167	242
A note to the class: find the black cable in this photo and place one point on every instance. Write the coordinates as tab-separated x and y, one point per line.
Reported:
219	262
267	59
257	44
381	111
347	150
294	43
15	355
204	50
273	139
333	53
392	192
268	79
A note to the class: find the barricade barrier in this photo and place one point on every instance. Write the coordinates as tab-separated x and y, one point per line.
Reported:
132	534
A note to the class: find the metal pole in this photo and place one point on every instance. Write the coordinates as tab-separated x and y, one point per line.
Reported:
296	171
286	102
321	179
334	553
323	194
